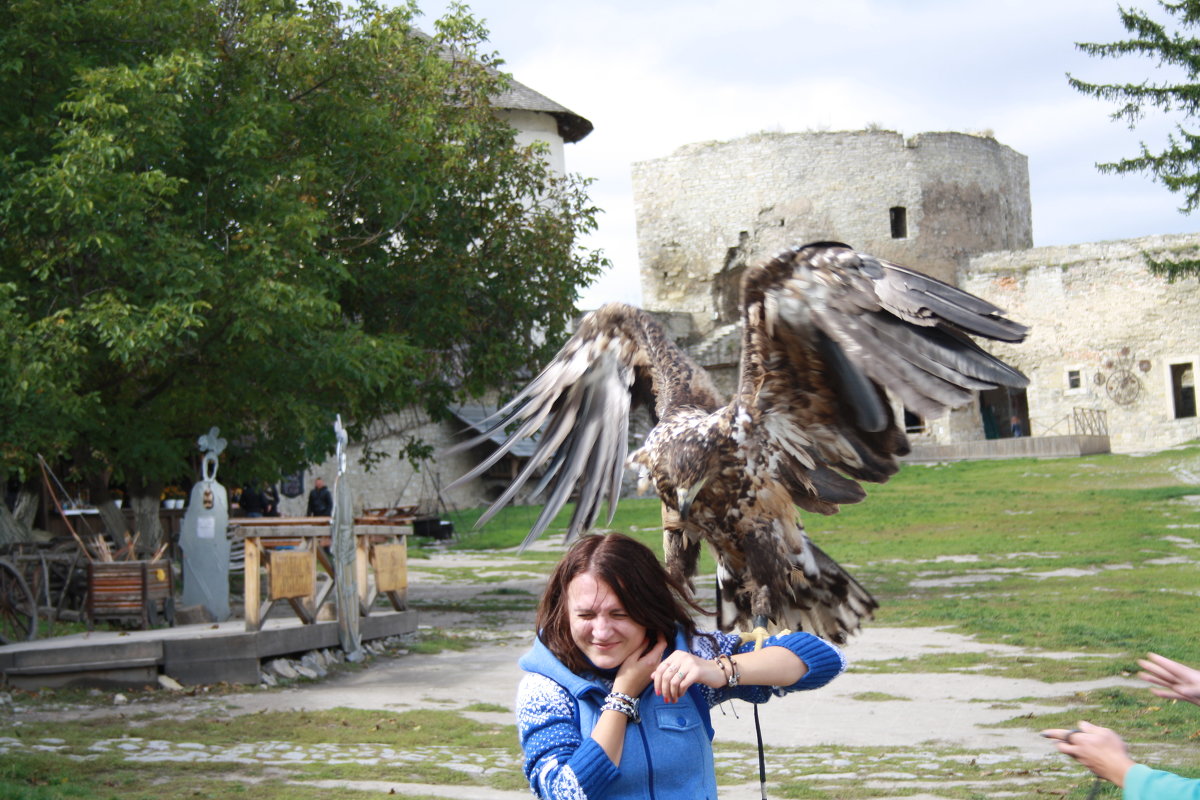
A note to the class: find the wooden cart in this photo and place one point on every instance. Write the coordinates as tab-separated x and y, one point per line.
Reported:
131	590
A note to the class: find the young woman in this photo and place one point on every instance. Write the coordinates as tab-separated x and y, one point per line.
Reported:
620	681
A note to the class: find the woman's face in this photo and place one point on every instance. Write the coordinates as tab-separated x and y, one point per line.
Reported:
600	626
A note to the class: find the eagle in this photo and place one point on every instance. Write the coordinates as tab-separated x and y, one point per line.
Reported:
827	333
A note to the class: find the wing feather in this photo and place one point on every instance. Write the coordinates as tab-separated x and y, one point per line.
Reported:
828	329
581	404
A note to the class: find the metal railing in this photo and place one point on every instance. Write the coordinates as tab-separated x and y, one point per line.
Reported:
1081	422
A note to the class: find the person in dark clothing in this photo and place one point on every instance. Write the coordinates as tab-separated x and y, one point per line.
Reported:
251	501
270	496
320	501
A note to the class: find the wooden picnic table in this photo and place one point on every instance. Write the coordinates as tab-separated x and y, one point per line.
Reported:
291	547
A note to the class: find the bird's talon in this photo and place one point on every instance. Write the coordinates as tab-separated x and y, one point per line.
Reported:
758	636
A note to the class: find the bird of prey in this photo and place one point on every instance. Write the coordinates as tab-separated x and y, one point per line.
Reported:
825	331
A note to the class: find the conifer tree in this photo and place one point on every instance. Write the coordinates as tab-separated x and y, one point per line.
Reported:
1171	43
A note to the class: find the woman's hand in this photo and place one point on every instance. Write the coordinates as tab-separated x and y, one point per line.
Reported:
1178	682
1099	749
636	671
682	669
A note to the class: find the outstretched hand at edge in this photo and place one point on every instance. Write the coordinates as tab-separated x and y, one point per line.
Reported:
1178	681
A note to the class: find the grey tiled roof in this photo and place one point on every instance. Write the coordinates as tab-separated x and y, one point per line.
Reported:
519	97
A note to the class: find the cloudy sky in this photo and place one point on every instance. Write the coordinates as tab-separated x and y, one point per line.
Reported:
653	75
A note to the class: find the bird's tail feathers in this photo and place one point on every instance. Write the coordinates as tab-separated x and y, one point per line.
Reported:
826	599
818	596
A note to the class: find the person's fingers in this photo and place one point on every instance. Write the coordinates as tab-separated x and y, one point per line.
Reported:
1154	673
662	674
655	653
667	679
1057	733
1167	670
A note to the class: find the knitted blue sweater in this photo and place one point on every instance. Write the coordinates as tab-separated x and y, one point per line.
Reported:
667	755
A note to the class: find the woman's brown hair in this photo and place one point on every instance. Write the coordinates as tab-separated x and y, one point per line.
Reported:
648	594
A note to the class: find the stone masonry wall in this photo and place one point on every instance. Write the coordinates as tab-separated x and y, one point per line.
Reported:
710	208
392	481
1096	311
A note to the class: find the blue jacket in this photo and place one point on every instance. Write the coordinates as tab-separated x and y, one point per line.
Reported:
668	755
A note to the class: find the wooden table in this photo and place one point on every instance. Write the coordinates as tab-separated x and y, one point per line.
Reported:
292	546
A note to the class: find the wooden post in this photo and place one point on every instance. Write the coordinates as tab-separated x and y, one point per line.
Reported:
253	557
362	558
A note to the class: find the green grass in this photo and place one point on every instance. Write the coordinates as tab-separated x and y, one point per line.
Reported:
437	640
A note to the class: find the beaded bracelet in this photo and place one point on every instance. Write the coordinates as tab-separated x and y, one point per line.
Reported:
622	704
732	676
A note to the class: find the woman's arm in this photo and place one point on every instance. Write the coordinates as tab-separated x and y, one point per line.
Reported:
785	663
559	761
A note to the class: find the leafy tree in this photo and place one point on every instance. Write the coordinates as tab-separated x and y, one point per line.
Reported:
258	214
1177	166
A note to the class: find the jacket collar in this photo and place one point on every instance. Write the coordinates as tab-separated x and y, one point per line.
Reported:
540	660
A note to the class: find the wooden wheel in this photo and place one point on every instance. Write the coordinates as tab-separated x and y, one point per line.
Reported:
18	608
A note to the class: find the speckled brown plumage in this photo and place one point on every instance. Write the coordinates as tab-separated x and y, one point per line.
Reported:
826	330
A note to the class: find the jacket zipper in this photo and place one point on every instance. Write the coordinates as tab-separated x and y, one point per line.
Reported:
649	761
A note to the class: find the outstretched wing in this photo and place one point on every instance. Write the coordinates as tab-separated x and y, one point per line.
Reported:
581	403
829	329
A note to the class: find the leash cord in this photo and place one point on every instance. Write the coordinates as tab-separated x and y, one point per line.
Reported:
762	759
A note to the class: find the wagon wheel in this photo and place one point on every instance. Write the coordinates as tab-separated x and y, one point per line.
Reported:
18	608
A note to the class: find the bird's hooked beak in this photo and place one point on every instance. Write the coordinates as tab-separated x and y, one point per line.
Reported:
686	495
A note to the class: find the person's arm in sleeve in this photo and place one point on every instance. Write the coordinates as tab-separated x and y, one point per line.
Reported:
786	663
1143	783
559	761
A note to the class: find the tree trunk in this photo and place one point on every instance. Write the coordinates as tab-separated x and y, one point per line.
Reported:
145	498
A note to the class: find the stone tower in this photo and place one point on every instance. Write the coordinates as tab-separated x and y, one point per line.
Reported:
930	202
